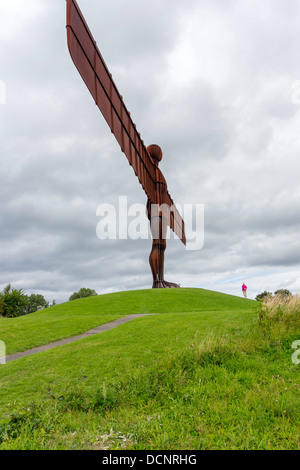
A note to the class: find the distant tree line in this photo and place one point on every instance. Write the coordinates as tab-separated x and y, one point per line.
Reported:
15	303
282	292
83	292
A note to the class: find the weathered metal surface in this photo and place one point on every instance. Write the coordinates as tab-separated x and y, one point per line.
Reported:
94	71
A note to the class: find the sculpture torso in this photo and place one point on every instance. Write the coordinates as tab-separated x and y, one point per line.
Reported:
160	192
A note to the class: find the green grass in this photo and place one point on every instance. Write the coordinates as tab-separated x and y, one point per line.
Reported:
202	373
75	317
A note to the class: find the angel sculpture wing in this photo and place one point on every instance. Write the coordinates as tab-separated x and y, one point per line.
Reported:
93	70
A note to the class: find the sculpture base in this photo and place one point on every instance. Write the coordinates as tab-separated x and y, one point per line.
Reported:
163	285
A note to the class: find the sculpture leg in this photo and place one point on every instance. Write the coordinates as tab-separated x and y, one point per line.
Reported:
157	255
156	260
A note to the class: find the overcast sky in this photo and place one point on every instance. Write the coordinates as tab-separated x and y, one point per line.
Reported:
213	82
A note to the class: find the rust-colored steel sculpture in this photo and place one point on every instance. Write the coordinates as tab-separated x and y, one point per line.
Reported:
144	160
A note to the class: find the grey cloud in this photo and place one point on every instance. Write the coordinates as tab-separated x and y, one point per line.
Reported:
227	127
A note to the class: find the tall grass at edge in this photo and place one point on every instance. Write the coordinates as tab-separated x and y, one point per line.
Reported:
280	310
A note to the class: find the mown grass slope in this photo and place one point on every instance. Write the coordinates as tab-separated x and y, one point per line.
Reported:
200	373
78	316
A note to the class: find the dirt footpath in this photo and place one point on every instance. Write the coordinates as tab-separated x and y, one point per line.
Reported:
94	331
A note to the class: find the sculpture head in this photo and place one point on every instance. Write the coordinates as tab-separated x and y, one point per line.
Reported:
155	153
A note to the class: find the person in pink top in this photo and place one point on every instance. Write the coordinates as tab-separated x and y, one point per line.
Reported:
244	289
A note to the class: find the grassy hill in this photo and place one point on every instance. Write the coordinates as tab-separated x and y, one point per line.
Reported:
199	373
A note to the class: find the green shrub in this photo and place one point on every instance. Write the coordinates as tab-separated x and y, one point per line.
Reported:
14	302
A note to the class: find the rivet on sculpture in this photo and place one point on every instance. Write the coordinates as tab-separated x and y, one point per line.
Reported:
161	210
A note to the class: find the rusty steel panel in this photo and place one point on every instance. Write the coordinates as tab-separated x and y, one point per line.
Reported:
94	72
92	68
